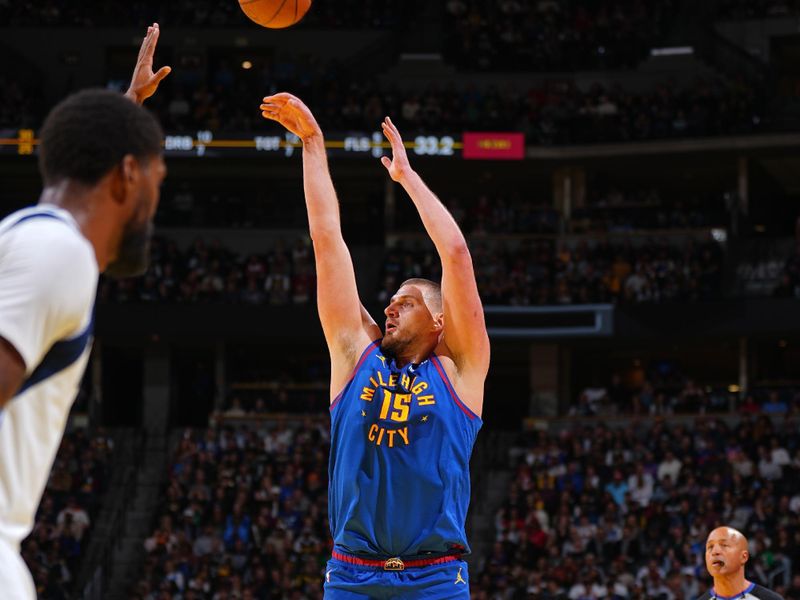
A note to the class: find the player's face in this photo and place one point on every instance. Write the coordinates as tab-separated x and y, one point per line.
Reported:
726	552
134	249
407	317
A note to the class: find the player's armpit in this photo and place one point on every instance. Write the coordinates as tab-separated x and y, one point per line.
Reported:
12	371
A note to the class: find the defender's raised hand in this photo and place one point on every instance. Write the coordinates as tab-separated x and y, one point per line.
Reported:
144	82
398	166
290	112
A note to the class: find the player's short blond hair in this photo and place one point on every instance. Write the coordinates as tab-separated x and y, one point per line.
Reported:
431	292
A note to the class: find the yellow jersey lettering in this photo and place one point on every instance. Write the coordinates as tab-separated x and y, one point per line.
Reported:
376	435
403	434
381	381
425	400
367	393
387	400
401	405
419	388
405	381
373	382
393	380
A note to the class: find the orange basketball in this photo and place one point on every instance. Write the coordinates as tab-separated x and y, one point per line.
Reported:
275	14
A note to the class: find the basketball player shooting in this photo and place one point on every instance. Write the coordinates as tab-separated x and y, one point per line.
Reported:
405	405
101	164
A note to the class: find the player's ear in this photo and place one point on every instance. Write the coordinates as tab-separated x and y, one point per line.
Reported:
745	556
124	179
131	174
438	321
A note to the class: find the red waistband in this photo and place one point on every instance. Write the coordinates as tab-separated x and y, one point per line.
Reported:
396	563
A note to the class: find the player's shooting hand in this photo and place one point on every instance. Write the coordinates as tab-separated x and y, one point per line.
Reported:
290	112
398	166
144	82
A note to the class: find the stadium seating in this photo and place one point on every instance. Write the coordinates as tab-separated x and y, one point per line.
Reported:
73	497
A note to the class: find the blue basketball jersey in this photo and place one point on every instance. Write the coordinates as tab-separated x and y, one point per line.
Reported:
401	440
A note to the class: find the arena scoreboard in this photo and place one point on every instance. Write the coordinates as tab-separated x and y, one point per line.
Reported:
206	143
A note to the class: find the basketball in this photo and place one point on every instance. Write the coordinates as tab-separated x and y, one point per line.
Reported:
275	14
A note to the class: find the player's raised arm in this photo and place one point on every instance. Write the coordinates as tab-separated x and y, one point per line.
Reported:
464	332
144	82
347	326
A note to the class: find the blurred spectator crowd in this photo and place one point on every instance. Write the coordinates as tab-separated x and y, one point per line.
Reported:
540	272
665	390
244	515
551	113
550	35
517	272
209	272
226	98
757	9
593	512
345	14
590	512
71	502
607	209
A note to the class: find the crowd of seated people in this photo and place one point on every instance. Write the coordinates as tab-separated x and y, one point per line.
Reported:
516	272
549	35
244	515
541	272
611	209
606	210
550	113
209	272
71	502
757	9
596	513
663	389
553	113
345	14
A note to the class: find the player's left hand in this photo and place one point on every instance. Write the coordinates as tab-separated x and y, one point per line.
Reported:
398	166
144	82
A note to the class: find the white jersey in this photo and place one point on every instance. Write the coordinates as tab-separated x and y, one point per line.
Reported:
48	282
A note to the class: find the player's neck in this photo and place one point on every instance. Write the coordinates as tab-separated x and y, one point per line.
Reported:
730	586
413	355
76	199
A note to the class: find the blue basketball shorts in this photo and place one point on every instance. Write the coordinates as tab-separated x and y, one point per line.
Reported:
345	581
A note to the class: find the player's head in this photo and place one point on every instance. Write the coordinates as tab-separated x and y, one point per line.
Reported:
108	150
726	552
414	316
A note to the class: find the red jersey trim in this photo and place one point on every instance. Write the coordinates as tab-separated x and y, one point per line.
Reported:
367	351
443	374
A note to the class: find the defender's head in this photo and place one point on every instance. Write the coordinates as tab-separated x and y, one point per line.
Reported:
414	316
102	142
726	551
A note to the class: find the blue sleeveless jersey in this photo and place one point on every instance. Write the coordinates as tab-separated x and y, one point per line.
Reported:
401	440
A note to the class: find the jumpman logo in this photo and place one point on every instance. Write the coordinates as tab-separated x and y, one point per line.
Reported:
459	578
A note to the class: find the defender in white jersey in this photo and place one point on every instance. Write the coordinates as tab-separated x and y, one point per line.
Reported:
101	164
